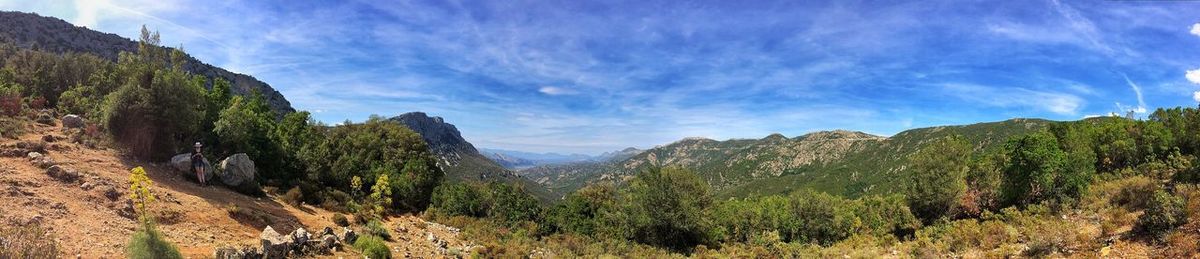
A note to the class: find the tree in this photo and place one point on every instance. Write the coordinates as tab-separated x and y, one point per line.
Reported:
375	147
245	127
588	211
937	177
664	207
156	112
1039	170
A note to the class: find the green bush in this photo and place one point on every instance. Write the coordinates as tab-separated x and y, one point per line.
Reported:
511	204
293	197
377	228
340	220
373	247
244	127
458	199
148	243
157	112
377	147
937	177
586	211
665	208
1164	213
1039	170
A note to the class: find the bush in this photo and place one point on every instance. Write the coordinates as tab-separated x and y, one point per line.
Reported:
1163	213
377	228
10	100
148	243
664	207
373	247
1039	170
293	197
30	241
937	177
11	128
340	220
157	112
378	147
458	199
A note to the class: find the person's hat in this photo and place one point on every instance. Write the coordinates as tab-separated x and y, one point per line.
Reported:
198	145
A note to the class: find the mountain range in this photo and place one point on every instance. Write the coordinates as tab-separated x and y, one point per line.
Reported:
517	160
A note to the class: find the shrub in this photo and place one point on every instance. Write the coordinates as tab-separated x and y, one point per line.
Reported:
1163	213
1039	170
665	208
511	204
1135	193
937	177
455	199
148	243
293	197
340	220
377	228
154	118
10	100
31	241
11	128
373	247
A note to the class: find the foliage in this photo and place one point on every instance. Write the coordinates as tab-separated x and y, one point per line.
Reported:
381	197
459	199
589	212
1163	213
10	99
244	127
664	207
139	191
376	228
937	177
340	220
148	243
372	247
293	197
1038	170
159	107
373	148
30	241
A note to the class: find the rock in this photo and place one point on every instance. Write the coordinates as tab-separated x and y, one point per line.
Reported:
239	172
45	118
229	252
329	241
183	163
274	245
348	235
62	174
44	162
300	237
49	138
86	186
111	193
127	211
72	121
326	231
34	156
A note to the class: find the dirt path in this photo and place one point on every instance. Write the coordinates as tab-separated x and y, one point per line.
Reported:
87	219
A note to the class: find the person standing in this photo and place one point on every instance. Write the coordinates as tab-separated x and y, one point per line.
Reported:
198	164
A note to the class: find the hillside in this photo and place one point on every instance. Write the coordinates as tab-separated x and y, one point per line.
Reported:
459	158
51	34
839	162
91	219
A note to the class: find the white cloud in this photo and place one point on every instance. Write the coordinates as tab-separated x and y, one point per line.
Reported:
1055	102
1196	29
1141	107
1196	96
1193	75
554	90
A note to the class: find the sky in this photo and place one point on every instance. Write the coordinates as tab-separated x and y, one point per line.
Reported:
595	76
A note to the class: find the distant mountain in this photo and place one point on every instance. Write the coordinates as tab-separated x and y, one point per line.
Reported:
458	158
840	162
519	159
28	30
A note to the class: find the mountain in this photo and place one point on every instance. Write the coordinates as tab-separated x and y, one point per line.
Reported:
459	158
519	159
618	155
839	162
28	30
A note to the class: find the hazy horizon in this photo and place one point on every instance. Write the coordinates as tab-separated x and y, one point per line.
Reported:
587	78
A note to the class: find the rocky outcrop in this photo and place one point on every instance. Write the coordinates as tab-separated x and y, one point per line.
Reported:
230	252
348	235
238	172
274	245
72	121
183	163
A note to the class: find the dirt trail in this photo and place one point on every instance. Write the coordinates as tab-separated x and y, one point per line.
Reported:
88	222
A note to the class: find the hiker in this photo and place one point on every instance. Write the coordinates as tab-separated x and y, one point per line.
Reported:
198	164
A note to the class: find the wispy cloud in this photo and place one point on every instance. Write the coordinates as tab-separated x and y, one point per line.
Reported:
1056	102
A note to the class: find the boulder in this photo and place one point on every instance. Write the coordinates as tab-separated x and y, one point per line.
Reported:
274	245
34	156
328	241
62	174
326	231
111	193
72	121
229	252
183	163
300	237
238	172
348	235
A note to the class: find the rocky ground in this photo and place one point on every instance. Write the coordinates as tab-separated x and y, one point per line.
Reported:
80	194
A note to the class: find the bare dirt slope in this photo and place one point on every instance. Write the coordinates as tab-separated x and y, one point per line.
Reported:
90	219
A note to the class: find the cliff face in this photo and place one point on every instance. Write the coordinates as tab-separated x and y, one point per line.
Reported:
29	30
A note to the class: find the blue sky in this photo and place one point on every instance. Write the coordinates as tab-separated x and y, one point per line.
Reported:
590	77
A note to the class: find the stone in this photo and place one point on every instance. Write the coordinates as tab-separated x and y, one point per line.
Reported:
34	156
326	231
86	186
72	121
239	172
111	193
229	252
44	162
62	174
274	245
49	138
300	237
348	235
329	241
183	163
